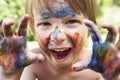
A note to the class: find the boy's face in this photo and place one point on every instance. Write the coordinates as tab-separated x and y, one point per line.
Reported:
62	35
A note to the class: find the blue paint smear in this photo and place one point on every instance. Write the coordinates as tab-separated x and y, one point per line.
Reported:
59	13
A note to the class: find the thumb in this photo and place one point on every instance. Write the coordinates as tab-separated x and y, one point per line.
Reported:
34	57
78	66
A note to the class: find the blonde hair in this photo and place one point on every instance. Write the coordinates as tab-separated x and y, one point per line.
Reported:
86	7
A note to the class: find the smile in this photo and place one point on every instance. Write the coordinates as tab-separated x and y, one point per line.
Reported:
61	55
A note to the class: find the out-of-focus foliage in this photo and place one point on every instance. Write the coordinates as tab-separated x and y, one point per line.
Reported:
116	2
14	9
109	10
11	8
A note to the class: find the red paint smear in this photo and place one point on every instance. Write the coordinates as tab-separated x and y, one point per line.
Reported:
76	37
69	36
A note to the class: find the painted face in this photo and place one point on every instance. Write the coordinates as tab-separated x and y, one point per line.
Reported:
60	35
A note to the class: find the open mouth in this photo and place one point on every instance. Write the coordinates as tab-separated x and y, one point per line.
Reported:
61	54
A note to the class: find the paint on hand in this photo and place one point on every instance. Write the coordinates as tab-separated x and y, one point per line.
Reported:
104	59
109	37
8	31
94	36
14	55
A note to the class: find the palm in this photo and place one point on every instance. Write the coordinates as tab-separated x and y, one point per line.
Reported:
105	54
12	47
105	58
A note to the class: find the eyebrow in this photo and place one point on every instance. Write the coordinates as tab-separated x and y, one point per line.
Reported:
59	13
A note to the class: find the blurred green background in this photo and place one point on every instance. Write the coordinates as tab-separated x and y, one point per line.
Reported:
108	10
14	9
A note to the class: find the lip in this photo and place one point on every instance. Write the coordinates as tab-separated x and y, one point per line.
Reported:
61	55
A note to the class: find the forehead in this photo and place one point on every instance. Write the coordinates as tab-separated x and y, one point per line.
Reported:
55	8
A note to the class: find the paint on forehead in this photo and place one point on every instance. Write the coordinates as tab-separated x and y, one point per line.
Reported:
58	1
59	13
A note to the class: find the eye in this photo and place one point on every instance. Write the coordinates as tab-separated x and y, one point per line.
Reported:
72	21
44	24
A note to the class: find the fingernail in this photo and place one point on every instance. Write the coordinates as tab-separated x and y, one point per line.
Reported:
77	68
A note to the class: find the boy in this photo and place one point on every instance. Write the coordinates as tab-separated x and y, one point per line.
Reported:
61	34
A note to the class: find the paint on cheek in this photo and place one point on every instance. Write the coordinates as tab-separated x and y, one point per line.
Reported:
74	38
44	45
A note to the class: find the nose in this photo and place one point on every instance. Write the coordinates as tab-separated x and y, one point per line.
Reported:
57	36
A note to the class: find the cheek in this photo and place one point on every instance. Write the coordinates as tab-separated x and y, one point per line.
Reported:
43	42
74	38
42	37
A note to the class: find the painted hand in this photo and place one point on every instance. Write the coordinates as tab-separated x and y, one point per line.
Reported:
13	52
105	54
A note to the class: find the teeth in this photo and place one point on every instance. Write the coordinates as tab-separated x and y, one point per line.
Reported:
59	50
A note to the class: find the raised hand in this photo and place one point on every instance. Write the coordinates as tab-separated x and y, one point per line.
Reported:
13	52
105	54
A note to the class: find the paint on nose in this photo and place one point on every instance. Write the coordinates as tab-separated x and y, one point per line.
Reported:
56	33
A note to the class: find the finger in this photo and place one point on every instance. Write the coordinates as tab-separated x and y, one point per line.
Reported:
23	25
6	27
93	31
34	57
111	36
80	65
118	43
1	37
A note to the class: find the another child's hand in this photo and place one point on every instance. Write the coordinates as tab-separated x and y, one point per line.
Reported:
106	54
13	52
